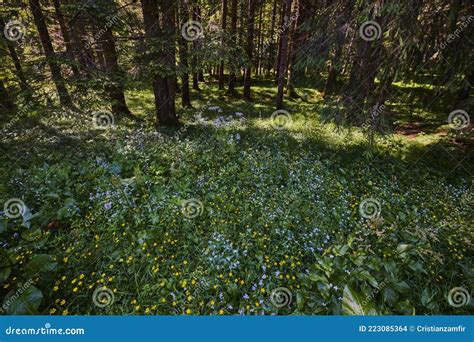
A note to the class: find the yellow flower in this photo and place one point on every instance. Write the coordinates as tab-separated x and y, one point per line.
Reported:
63	302
185	262
81	276
55	288
188	311
134	301
137	307
212	302
74	289
52	311
262	290
147	310
221	312
65	312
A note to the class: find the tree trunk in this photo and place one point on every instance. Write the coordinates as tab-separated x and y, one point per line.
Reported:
6	101
249	48
163	86
45	38
66	37
16	61
183	56
223	27
233	29
283	53
195	17
465	90
335	62
293	33
115	88
259	40
271	42
278	56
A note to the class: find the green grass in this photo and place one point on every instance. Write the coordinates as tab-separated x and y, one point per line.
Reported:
274	208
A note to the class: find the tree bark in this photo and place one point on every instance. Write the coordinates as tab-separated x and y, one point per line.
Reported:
45	38
163	85
6	101
116	88
283	53
66	37
16	60
232	76
223	28
259	40
195	17
271	42
293	33
249	48
183	56
334	66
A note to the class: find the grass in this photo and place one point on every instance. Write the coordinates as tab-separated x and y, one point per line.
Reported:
219	216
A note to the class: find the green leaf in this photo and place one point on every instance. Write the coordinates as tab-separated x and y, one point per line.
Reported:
40	263
353	303
4	273
401	286
402	249
300	300
3	225
390	296
24	300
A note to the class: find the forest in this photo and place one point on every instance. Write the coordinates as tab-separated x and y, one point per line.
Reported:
236	157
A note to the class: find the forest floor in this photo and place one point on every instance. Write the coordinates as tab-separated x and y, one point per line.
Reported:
236	213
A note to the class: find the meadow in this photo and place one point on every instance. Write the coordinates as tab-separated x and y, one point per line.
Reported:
237	212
